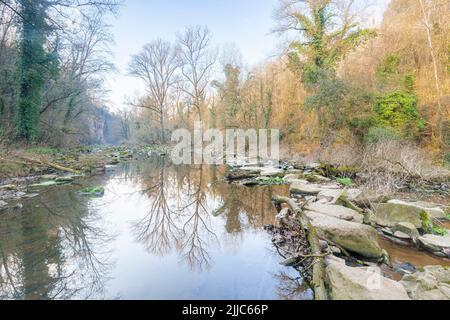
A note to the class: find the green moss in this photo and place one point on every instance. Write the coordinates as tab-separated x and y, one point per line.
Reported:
93	191
345	181
270	181
439	231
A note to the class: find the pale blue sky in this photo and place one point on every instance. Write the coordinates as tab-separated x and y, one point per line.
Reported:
245	23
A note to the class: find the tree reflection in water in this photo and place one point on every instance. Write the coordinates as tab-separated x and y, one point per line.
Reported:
53	251
178	217
184	202
57	246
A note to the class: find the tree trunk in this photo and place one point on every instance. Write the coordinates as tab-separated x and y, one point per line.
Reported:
426	22
162	128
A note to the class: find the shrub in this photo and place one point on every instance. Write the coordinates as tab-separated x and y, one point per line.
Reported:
447	160
398	110
380	134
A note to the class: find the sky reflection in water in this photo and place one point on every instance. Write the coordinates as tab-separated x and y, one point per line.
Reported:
160	232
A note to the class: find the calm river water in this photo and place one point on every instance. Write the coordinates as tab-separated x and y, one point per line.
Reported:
159	232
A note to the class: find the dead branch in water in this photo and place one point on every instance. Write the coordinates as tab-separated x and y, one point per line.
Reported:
318	278
49	164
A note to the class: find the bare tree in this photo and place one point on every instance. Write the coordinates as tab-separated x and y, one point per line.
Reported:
156	65
425	7
197	61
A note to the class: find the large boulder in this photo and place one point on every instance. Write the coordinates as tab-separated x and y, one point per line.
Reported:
431	283
435	243
352	236
336	211
347	283
395	211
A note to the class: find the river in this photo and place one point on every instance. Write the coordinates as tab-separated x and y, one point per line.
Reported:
159	232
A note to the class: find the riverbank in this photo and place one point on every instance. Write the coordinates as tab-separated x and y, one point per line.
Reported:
24	171
353	226
357	228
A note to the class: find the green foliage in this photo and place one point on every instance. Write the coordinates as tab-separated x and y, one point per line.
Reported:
398	110
229	93
388	67
390	76
427	225
315	57
44	150
408	81
439	231
447	160
34	65
380	134
335	101
345	181
270	180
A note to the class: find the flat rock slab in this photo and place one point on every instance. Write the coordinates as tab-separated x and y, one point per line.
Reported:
272	172
435	243
407	228
349	283
391	213
292	177
402	235
336	211
432	206
431	283
330	195
304	189
251	169
352	236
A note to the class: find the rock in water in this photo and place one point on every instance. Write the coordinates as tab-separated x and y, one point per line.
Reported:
395	211
407	228
304	189
401	235
391	213
355	237
349	283
435	243
272	172
336	211
431	283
